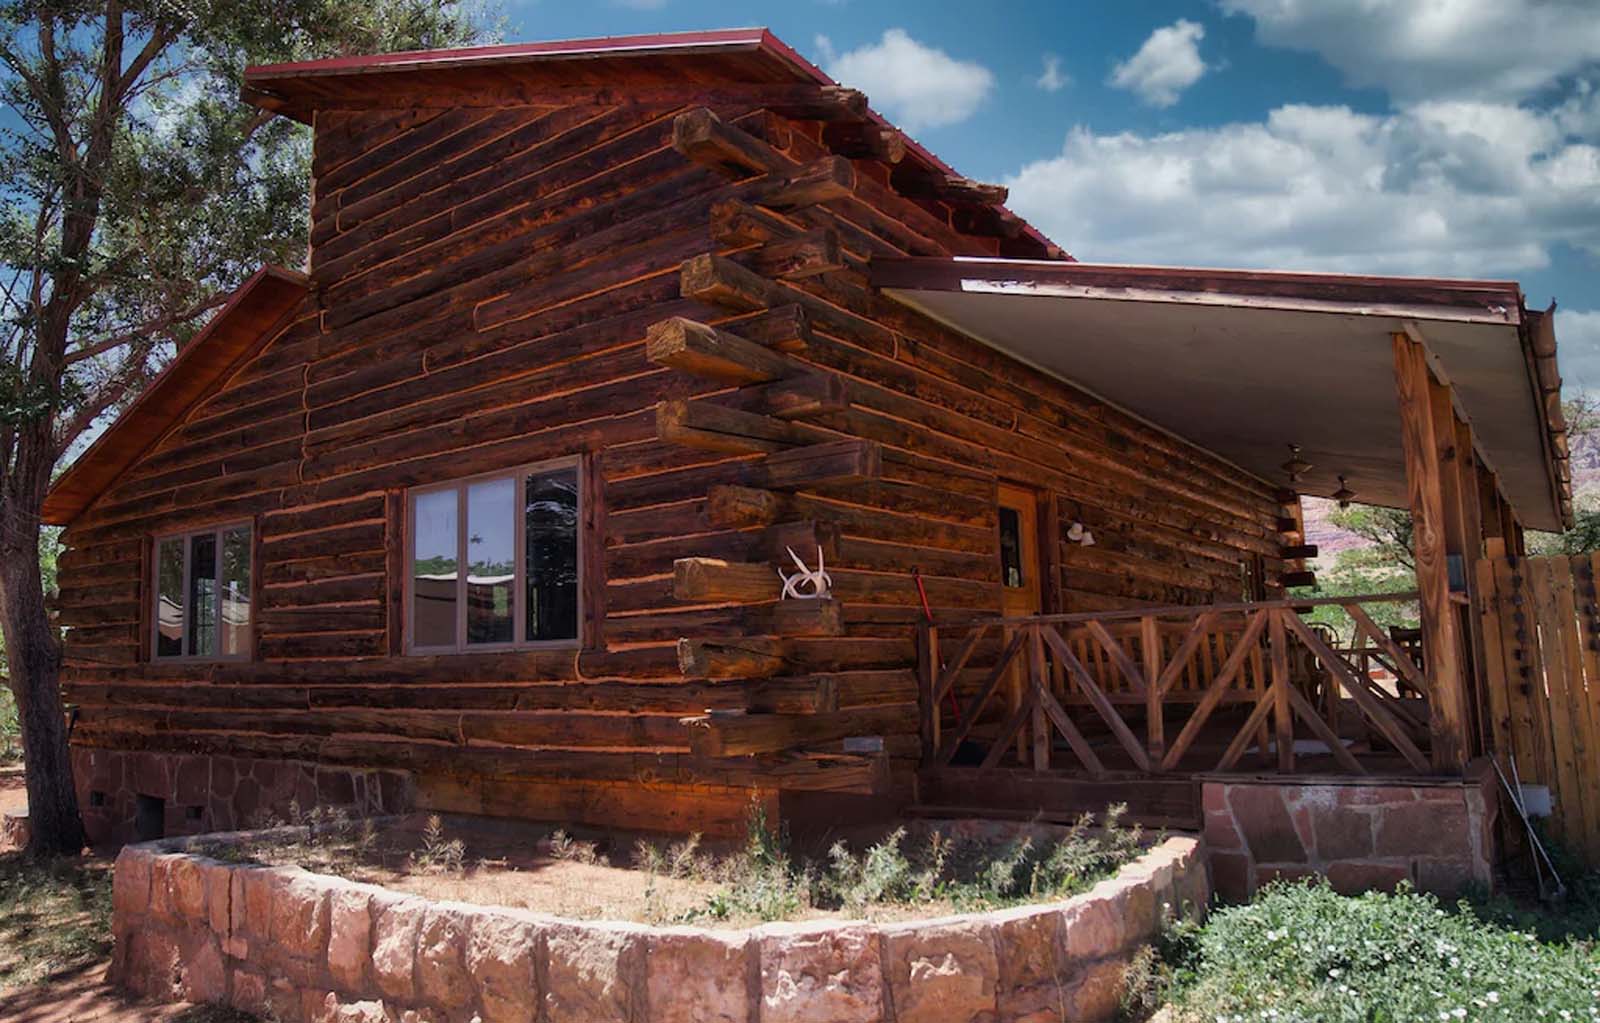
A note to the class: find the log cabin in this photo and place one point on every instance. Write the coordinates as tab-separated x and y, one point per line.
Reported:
488	509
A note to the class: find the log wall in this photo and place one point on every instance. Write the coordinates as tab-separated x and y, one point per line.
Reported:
678	296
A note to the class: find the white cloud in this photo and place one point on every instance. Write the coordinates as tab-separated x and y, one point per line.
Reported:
1491	49
1452	188
1053	79
916	85
1168	63
1578	349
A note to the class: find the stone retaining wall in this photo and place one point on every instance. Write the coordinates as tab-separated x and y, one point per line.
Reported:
1362	834
307	947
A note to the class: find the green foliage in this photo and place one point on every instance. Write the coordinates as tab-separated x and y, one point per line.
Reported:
1304	953
1387	529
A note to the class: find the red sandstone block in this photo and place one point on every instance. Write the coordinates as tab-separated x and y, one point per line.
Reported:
1423	829
1231	877
1353	878
1220	832
1214	797
1376	795
1264	821
1342	832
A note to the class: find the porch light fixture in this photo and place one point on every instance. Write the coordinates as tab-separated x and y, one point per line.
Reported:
1344	495
1296	466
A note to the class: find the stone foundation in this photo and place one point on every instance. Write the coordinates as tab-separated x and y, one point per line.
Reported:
1361	834
201	793
306	947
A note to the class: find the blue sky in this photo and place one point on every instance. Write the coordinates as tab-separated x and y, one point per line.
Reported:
1443	137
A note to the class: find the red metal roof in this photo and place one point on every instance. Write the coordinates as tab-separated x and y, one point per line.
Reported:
233	334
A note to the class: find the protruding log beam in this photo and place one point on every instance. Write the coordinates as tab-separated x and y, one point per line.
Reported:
1299	552
736	222
828	103
806	618
702	136
804	255
1292	579
806	394
711	427
845	461
949	188
804	538
824	180
711	580
785	328
1441	642
744	657
718	280
734	507
863	140
709	352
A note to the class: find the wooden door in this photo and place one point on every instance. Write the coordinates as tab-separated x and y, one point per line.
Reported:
1021	590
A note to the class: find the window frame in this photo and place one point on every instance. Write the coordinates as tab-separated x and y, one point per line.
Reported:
518	475
153	606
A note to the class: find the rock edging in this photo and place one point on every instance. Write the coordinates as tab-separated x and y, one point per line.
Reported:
310	948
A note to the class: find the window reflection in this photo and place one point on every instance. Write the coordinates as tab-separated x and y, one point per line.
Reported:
433	572
550	521
203	595
236	592
491	561
169	599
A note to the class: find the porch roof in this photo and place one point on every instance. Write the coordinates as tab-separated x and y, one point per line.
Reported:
1244	363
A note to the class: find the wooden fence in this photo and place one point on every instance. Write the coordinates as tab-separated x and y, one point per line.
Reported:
1541	632
1128	670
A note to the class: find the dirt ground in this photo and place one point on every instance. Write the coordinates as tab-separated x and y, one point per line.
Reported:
81	995
84	997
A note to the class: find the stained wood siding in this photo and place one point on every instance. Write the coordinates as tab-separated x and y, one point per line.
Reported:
485	280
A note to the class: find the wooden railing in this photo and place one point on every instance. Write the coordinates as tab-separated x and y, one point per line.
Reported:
1002	686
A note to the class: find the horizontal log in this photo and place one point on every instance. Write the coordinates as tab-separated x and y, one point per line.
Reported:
1299	552
746	657
747	734
702	136
824	180
708	580
805	395
836	462
864	140
947	188
713	427
717	354
803	255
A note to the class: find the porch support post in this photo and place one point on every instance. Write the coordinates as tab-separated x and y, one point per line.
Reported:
1421	435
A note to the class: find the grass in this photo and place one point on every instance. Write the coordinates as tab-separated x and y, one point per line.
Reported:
54	916
1301	952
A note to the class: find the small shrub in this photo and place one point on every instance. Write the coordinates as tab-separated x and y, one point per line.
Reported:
1303	952
438	854
564	847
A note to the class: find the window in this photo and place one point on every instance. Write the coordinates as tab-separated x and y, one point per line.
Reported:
1011	548
202	595
515	534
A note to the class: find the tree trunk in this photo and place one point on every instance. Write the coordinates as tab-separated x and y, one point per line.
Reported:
34	660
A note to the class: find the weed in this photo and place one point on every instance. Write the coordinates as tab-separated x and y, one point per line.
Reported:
564	847
438	855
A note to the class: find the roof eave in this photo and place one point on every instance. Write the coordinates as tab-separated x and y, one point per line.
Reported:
248	318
